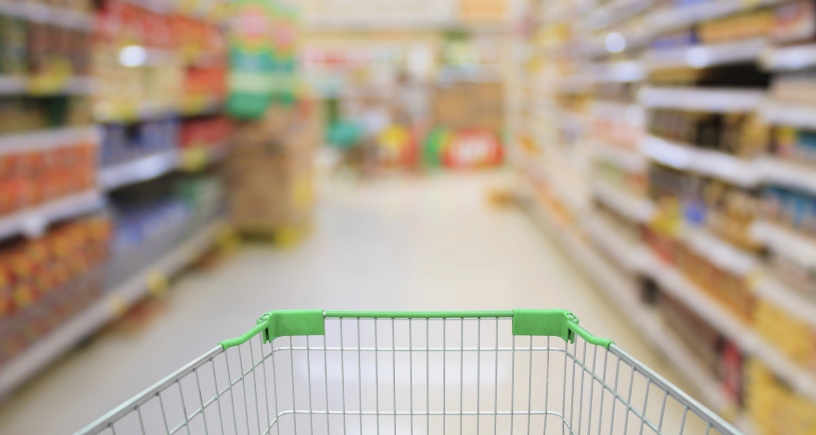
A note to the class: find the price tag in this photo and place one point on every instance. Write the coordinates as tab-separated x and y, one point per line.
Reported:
194	159
157	283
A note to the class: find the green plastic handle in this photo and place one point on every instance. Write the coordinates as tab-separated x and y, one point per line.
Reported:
540	323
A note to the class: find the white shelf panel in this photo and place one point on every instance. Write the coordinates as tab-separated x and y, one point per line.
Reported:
638	209
715	100
142	169
788	114
789	58
48	139
784	240
50	347
628	254
794	303
34	221
785	173
628	159
703	162
703	56
720	252
621	72
15	85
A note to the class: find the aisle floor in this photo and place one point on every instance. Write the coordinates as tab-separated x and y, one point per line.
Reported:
404	243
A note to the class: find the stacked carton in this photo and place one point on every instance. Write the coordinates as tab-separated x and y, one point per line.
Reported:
270	170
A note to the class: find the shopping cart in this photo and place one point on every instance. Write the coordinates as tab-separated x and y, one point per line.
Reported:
341	372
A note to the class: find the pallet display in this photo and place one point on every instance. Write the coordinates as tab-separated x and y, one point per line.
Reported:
695	119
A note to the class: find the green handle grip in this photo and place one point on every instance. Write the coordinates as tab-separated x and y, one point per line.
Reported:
541	323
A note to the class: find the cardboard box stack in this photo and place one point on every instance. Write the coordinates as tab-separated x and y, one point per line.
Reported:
469	105
270	174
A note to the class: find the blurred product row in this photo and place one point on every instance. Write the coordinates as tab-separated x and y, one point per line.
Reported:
116	160
675	137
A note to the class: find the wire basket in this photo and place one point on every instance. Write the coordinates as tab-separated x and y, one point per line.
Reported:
492	372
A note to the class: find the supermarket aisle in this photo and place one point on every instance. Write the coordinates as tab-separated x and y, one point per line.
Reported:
400	244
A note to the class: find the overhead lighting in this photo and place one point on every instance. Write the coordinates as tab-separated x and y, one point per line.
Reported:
615	42
133	56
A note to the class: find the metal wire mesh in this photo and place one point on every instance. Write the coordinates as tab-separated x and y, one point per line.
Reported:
412	376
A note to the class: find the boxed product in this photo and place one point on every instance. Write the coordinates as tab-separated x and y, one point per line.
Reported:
796	272
700	337
774	407
733	76
790	207
744	26
270	171
733	290
794	87
469	105
793	336
794	144
743	135
730	211
794	22
47	280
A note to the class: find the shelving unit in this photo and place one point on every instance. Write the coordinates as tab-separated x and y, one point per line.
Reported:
613	55
33	221
621	292
112	305
48	159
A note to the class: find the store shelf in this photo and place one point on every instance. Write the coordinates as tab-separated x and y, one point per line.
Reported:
620	72
628	159
785	240
621	292
788	299
703	56
789	114
42	13
674	18
742	335
113	304
715	100
43	139
16	85
638	209
791	58
700	161
780	172
151	110
629	255
139	170
155	165
32	222
719	252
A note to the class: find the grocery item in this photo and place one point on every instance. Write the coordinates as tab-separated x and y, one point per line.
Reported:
744	26
774	407
742	135
794	22
46	281
790	207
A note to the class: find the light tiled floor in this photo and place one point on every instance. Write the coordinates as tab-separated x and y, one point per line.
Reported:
404	243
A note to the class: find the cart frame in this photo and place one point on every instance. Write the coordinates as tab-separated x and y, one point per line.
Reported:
538	324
